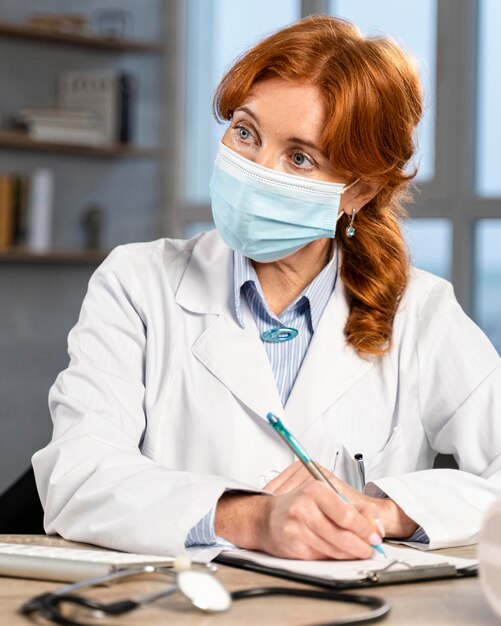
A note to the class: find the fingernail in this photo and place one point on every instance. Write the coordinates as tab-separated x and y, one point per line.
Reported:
375	539
380	527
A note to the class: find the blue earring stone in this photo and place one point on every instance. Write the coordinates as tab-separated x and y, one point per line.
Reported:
350	231
279	335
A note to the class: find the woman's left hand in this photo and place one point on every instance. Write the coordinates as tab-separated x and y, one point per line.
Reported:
392	521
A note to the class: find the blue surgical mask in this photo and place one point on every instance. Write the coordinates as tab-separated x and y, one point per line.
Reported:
268	215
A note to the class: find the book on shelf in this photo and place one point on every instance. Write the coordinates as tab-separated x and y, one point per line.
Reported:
65	134
57	116
26	210
60	125
126	106
60	22
6	211
13	210
40	209
20	202
109	94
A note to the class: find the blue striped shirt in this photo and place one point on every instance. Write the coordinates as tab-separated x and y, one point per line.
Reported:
303	314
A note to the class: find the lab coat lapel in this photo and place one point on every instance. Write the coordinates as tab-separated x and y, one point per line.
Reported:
233	354
237	357
330	367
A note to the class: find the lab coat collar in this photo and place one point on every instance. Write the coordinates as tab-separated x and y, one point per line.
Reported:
204	287
236	356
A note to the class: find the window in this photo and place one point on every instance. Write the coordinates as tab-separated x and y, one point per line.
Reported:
415	31
429	242
488	278
488	170
195	228
217	32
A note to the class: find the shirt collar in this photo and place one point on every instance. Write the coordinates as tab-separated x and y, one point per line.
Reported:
243	272
317	292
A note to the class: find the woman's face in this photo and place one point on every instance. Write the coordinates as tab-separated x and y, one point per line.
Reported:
279	126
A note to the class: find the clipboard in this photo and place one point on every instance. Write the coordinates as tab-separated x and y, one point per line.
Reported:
396	572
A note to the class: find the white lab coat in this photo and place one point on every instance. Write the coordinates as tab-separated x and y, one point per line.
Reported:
163	405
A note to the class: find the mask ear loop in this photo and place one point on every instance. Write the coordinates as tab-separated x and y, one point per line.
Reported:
341	212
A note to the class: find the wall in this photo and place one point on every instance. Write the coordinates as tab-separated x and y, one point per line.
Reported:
40	303
38	307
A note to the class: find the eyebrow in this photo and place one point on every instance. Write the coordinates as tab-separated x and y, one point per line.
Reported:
303	142
248	111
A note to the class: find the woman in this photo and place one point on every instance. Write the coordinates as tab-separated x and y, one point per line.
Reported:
183	347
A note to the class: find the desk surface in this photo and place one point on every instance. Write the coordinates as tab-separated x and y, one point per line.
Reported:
458	602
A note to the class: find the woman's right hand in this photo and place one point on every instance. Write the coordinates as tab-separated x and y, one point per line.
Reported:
311	522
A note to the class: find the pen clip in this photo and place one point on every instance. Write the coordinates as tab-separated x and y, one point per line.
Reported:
336	456
409	572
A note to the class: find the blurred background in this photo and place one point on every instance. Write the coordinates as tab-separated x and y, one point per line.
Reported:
107	137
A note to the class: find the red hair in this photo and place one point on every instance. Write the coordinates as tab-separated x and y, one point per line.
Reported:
373	102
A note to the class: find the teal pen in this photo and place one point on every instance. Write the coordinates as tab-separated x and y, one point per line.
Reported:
306	460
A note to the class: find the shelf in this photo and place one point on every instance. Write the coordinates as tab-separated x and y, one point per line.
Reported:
22	31
21	141
52	257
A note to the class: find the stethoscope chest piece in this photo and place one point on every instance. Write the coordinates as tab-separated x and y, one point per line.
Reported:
203	590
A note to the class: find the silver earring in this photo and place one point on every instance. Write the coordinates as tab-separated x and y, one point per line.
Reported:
350	230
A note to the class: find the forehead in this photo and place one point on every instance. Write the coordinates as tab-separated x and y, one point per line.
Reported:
291	106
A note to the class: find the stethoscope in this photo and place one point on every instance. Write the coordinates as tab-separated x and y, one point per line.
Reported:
198	585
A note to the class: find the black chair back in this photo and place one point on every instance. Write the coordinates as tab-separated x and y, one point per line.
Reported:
21	511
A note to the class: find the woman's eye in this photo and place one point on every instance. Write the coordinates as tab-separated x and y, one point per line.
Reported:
301	160
243	133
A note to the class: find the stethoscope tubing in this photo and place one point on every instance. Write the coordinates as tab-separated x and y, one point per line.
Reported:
380	608
47	604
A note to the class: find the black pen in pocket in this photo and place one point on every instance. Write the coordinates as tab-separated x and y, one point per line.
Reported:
359	458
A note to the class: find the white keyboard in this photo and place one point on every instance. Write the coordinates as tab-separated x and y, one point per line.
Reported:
67	564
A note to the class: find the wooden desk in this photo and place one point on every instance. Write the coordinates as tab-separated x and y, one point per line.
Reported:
457	602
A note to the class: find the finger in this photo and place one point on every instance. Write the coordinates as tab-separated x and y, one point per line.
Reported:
342	514
294	482
308	534
343	488
317	548
305	510
337	542
299	475
324	470
293	470
294	476
371	512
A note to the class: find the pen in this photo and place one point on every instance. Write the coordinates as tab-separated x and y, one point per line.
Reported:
305	459
359	458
